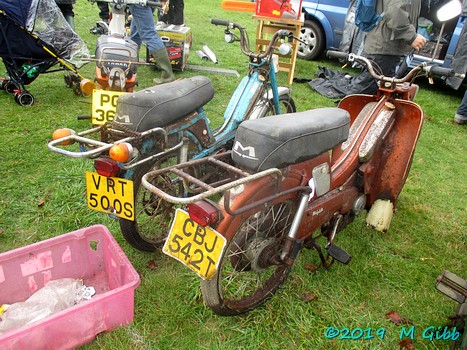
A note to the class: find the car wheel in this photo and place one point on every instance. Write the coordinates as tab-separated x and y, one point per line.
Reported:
313	41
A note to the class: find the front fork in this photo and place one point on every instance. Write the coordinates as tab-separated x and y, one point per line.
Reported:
275	90
184	151
293	245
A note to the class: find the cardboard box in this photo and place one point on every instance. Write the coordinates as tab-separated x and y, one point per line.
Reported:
177	40
91	254
286	9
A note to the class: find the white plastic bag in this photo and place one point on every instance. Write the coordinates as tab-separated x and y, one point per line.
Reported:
55	296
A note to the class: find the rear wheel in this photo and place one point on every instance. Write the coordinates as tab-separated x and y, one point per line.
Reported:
312	42
153	215
250	270
10	87
24	98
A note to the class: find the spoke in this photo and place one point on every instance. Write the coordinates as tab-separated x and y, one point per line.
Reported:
244	282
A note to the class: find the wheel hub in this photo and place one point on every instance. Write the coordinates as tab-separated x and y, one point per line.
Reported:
259	251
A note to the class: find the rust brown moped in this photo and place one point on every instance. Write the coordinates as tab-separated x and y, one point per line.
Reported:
295	179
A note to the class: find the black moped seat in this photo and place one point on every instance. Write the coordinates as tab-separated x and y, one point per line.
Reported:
281	140
163	104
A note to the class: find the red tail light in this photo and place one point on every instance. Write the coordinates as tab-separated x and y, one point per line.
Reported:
106	167
204	213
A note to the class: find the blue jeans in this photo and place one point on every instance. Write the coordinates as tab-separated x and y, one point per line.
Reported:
143	28
463	107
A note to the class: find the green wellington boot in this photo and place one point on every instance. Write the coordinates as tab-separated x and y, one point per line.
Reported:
71	21
163	63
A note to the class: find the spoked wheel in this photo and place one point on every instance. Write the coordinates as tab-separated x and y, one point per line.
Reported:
287	105
153	215
251	270
24	98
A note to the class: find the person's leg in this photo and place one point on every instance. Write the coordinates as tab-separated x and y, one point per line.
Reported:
461	115
382	64
67	11
143	22
164	17
177	13
386	64
104	12
134	34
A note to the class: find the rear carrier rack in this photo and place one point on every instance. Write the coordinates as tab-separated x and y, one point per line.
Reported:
198	189
91	146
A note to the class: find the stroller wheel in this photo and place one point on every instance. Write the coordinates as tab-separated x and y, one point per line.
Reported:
77	90
68	80
82	93
11	87
24	98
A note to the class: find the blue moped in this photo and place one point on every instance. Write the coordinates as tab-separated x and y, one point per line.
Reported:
165	125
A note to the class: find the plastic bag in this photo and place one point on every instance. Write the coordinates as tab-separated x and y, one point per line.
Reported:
55	296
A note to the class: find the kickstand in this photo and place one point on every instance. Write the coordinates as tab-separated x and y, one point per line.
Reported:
311	243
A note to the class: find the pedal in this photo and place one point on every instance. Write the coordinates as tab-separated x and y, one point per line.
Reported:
338	254
452	286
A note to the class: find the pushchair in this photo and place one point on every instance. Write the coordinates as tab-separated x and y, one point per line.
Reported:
36	39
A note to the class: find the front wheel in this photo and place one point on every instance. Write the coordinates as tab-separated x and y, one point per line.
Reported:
286	105
250	270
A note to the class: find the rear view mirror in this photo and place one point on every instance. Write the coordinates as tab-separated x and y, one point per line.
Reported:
449	10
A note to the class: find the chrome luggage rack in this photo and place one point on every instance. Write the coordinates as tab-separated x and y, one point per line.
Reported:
196	189
97	147
91	147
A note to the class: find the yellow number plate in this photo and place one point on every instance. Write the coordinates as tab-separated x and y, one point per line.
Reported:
200	248
104	105
112	195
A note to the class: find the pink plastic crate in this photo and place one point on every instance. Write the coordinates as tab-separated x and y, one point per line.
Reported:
91	254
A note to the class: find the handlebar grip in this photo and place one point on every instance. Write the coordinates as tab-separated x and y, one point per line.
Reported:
441	71
84	117
220	22
337	54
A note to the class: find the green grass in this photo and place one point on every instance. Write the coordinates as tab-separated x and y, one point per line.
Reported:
43	195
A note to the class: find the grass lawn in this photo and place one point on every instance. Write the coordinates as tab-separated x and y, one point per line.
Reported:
43	195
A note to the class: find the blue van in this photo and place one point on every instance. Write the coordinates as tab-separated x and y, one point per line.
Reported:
329	25
323	27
